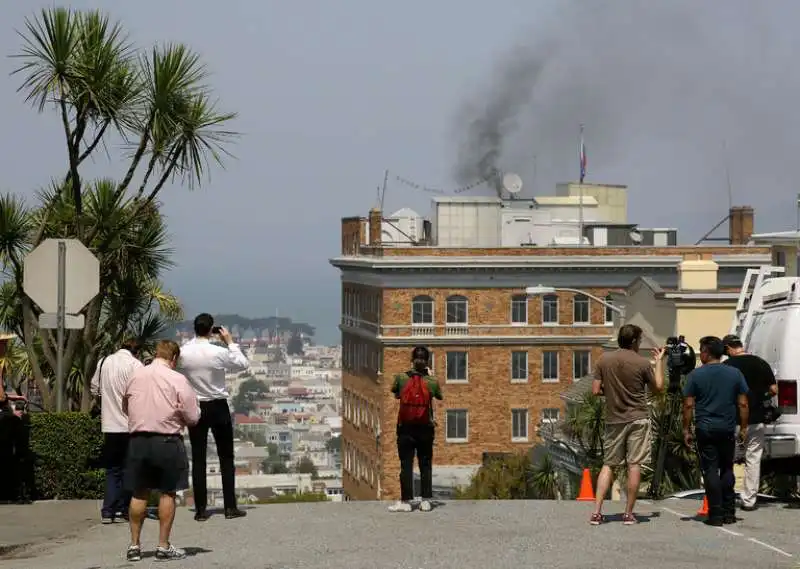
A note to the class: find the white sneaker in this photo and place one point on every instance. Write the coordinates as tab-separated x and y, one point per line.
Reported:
425	506
400	507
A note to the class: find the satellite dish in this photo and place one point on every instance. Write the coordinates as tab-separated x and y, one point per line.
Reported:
635	236
512	183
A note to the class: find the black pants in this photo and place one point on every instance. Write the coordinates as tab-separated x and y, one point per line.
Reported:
117	498
16	466
417	439
717	451
215	416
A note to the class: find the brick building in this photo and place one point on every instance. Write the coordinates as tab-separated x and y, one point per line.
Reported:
502	358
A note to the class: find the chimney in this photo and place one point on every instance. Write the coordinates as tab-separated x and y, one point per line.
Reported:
696	273
740	224
375	229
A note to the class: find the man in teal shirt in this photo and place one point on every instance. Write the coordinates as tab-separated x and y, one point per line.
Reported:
416	438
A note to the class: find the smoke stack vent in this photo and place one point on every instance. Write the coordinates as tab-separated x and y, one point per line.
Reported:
741	223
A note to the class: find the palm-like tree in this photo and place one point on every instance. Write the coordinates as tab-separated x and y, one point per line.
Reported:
81	65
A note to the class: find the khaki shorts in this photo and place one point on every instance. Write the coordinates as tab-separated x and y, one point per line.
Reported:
628	443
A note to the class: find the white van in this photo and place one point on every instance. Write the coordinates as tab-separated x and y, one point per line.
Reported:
768	322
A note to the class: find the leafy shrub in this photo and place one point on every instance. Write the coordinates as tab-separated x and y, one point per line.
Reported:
514	477
66	450
292	498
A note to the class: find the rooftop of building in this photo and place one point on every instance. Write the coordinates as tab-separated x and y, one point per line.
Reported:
580	221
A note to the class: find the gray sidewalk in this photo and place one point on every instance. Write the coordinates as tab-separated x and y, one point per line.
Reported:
460	534
51	521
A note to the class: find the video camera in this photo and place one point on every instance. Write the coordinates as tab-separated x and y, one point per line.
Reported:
681	360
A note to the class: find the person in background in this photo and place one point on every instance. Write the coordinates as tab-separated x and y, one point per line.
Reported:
762	387
205	364
109	382
159	403
416	429
711	393
623	376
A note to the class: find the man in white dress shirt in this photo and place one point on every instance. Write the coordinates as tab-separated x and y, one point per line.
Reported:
109	381
205	364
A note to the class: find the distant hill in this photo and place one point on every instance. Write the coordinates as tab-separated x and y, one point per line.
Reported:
249	327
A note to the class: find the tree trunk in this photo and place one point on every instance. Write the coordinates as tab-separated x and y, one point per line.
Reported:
29	333
90	340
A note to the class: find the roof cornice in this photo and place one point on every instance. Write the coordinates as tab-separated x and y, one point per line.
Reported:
538	261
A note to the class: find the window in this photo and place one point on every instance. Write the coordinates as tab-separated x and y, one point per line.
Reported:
519	424
456	310
456	366
550	309
550	415
549	366
519	309
581	360
519	366
456	425
609	310
580	309
422	310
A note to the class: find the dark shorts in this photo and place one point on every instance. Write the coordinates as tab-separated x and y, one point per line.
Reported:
156	462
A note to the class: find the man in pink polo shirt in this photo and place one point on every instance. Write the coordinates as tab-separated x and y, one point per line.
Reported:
159	403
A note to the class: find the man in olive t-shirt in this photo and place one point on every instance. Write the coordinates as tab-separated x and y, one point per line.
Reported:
623	376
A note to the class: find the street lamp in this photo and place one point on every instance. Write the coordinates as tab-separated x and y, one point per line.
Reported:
541	290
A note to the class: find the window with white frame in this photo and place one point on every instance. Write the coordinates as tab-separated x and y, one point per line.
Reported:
422	310
580	309
581	363
456	310
609	310
550	415
519	366
549	366
456	425
519	424
456	365
519	309
550	309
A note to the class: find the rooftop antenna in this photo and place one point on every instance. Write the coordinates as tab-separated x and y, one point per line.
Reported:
512	183
533	184
727	173
382	191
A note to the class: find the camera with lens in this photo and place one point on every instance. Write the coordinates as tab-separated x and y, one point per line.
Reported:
681	359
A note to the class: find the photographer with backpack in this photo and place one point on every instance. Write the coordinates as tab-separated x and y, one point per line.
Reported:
416	428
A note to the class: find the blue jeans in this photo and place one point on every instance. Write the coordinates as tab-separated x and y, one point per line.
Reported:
115	452
117	499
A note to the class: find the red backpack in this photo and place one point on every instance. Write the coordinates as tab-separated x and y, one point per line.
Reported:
415	400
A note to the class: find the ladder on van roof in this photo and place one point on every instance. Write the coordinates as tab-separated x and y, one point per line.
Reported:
750	299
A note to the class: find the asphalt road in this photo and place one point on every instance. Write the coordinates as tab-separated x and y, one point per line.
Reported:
488	534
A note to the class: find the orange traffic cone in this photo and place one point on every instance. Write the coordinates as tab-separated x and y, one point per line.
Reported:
587	493
703	511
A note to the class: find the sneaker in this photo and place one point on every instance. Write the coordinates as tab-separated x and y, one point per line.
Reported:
425	506
134	553
713	522
596	519
105	520
169	553
728	520
629	519
400	507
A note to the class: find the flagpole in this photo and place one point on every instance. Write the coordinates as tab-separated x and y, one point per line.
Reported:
580	190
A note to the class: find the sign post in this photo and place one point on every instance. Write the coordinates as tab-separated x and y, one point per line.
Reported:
61	276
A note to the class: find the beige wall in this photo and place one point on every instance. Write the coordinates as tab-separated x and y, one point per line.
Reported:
695	321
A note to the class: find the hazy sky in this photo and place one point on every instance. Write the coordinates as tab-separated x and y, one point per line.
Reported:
332	93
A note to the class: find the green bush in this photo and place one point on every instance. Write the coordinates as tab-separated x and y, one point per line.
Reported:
66	449
292	498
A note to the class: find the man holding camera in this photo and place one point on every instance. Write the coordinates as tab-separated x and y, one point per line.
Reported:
205	365
623	377
712	393
416	428
762	387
